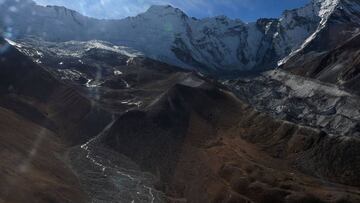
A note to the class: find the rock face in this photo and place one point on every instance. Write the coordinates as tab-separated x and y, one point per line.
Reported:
213	45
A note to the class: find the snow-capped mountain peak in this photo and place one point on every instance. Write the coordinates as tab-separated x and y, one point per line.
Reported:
325	7
165	33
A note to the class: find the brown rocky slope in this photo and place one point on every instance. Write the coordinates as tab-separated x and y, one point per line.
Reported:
205	145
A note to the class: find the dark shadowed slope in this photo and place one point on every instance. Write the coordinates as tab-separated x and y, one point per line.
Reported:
31	169
205	145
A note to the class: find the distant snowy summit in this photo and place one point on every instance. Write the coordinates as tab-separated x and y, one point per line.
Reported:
213	45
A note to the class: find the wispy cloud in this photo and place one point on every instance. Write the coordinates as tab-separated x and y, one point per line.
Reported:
115	9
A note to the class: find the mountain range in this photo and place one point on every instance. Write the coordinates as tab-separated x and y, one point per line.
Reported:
211	45
163	107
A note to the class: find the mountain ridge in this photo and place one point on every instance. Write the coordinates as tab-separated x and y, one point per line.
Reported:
165	33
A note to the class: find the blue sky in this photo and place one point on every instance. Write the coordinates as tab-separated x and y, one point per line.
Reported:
246	10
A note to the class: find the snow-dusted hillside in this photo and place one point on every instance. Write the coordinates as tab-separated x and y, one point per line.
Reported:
169	35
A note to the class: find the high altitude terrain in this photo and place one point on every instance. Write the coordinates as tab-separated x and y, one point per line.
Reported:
215	44
91	113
